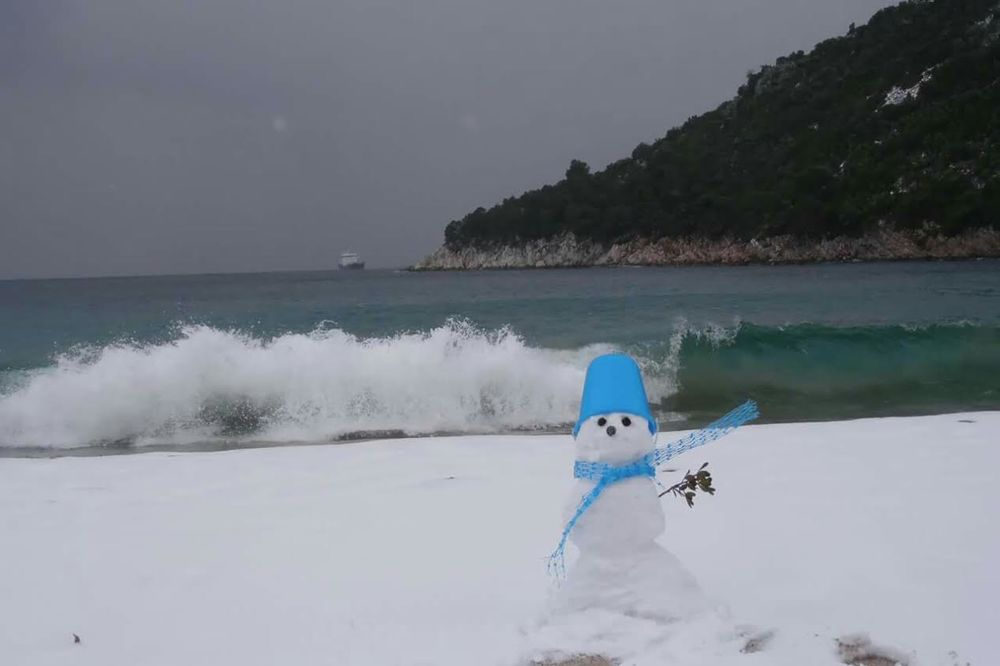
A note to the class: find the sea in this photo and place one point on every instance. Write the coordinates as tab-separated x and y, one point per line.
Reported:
114	365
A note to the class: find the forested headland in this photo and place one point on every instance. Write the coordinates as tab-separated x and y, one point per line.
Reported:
881	143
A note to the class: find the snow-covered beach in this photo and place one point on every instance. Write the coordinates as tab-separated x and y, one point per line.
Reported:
432	551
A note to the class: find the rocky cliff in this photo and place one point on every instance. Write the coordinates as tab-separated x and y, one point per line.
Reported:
568	250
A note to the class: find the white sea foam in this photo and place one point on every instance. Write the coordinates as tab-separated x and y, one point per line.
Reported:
211	383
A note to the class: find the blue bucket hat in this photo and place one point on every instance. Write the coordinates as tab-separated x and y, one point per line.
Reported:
614	384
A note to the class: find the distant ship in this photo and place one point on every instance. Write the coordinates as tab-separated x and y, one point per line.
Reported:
350	261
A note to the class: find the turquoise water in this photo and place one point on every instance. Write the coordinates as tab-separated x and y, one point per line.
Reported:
190	360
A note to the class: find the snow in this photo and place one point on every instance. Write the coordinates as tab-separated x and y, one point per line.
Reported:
897	95
432	551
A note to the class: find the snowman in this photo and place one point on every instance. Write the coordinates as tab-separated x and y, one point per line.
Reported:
614	514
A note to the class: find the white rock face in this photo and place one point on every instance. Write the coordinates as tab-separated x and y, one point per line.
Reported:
568	250
621	567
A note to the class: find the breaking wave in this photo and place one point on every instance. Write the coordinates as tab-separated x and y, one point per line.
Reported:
820	372
328	384
213	385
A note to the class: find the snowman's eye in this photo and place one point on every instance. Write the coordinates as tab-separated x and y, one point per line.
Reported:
602	421
626	421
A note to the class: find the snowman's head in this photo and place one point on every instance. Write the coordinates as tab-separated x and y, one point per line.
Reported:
616	424
615	438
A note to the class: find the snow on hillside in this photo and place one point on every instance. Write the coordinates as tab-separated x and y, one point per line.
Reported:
897	95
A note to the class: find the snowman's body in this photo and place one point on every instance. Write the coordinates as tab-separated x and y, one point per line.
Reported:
621	567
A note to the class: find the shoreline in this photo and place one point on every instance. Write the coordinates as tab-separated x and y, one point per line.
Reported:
224	445
708	264
570	251
398	436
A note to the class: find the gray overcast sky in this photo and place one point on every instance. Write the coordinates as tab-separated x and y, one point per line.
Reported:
183	136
